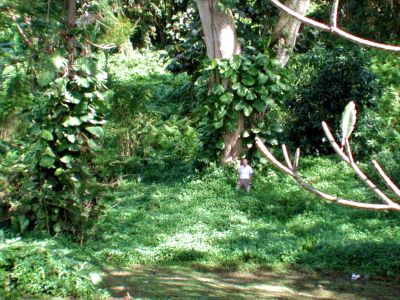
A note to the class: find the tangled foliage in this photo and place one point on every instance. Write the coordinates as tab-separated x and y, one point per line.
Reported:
57	189
251	84
39	269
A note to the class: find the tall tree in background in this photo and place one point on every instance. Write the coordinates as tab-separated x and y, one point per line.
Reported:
222	43
285	32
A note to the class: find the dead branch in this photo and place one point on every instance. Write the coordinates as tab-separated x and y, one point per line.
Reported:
292	172
21	32
389	183
353	165
333	27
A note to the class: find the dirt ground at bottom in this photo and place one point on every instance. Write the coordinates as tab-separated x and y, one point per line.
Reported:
176	282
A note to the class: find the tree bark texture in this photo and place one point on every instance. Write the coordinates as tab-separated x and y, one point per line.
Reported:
221	42
71	37
285	32
219	30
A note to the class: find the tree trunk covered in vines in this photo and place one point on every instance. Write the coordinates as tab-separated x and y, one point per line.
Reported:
285	32
222	42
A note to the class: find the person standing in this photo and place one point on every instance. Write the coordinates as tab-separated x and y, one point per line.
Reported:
245	175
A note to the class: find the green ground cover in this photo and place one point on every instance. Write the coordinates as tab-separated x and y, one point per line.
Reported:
202	222
163	214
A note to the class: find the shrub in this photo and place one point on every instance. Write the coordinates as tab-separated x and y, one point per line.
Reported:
331	79
39	269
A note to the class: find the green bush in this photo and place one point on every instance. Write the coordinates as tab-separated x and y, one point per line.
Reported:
329	80
39	269
150	133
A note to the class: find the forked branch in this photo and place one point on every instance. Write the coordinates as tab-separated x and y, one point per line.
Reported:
349	118
390	205
333	27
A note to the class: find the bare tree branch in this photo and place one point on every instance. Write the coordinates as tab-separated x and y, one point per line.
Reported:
389	183
334	13
290	171
21	32
296	159
286	155
334	29
354	166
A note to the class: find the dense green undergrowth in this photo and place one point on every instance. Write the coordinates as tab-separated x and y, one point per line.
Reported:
165	205
203	221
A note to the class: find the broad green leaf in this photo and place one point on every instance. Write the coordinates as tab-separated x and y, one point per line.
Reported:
235	62
46	135
72	121
71	138
247	110
242	91
87	118
59	172
261	59
71	98
57	227
252	71
66	159
349	118
228	73
46	162
219	124
49	152
259	105
101	76
23	223
218	89
250	95
273	142
240	106
93	145
236	86
262	78
221	113
220	145
44	78
226	98
81	81
234	77
247	80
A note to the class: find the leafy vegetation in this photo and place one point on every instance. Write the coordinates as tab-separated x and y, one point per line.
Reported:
111	125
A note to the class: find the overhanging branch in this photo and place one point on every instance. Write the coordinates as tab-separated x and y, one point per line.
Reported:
333	28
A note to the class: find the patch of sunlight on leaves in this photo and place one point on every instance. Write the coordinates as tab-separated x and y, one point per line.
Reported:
187	241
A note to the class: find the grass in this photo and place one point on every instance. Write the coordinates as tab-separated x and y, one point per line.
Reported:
202	222
276	226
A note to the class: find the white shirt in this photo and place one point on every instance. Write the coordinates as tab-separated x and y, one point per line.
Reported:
245	172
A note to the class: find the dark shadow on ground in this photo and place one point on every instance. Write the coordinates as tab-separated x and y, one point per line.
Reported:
147	282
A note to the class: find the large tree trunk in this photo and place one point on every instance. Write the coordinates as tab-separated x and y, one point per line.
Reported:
285	32
219	30
221	42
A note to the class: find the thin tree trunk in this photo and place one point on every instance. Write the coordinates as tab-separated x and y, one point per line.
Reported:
285	32
126	49
221	42
71	38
